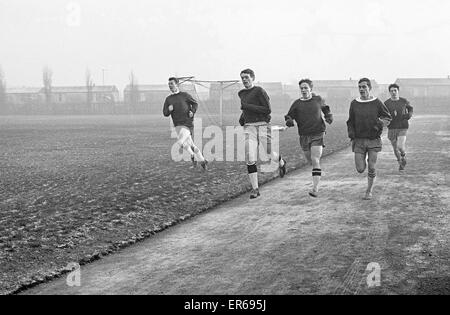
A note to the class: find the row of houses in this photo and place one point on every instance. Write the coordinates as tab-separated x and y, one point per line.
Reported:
63	95
149	98
63	100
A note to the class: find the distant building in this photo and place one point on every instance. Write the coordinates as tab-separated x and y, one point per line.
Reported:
425	87
108	94
64	100
272	88
24	95
151	93
24	100
383	93
337	89
292	91
427	95
229	93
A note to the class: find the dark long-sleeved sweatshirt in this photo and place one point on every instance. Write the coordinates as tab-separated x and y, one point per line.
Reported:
401	112
255	105
308	115
182	103
364	119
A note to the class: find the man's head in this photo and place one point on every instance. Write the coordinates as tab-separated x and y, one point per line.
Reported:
394	90
306	86
365	86
173	84
247	77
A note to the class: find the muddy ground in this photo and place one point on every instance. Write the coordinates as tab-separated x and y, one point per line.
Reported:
76	188
288	243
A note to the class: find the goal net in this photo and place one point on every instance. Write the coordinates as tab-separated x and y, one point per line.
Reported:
218	101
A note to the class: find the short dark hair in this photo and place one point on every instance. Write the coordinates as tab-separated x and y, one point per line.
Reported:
250	72
174	79
393	85
307	81
365	80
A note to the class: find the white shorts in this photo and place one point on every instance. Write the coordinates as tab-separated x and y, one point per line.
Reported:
256	135
184	136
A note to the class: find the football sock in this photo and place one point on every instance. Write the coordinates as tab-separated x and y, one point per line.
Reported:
198	154
188	149
316	173
253	175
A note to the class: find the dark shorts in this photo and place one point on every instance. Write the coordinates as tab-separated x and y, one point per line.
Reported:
306	142
365	145
393	134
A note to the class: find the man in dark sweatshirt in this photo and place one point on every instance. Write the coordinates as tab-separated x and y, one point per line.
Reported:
367	118
182	107
255	117
401	112
307	113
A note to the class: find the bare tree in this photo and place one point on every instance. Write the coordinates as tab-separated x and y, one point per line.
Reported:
47	77
134	91
89	87
2	92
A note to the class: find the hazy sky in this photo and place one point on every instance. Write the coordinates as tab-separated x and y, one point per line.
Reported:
282	40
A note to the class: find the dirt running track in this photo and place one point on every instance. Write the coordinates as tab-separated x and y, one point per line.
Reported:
288	243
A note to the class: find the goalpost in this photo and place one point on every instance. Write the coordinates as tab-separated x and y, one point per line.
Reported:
223	85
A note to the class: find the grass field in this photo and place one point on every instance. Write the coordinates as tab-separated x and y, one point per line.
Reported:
75	188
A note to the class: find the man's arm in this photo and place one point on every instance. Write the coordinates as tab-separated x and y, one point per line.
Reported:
410	111
265	101
256	108
191	101
391	111
289	118
166	110
351	123
383	114
242	120
327	112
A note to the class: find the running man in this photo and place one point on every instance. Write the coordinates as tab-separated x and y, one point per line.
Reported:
367	118
307	113
182	107
401	112
255	117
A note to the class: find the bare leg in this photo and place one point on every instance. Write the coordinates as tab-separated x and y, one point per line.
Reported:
360	162
188	148
183	141
396	150
251	149
402	149
308	156
267	140
373	156
196	151
402	145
